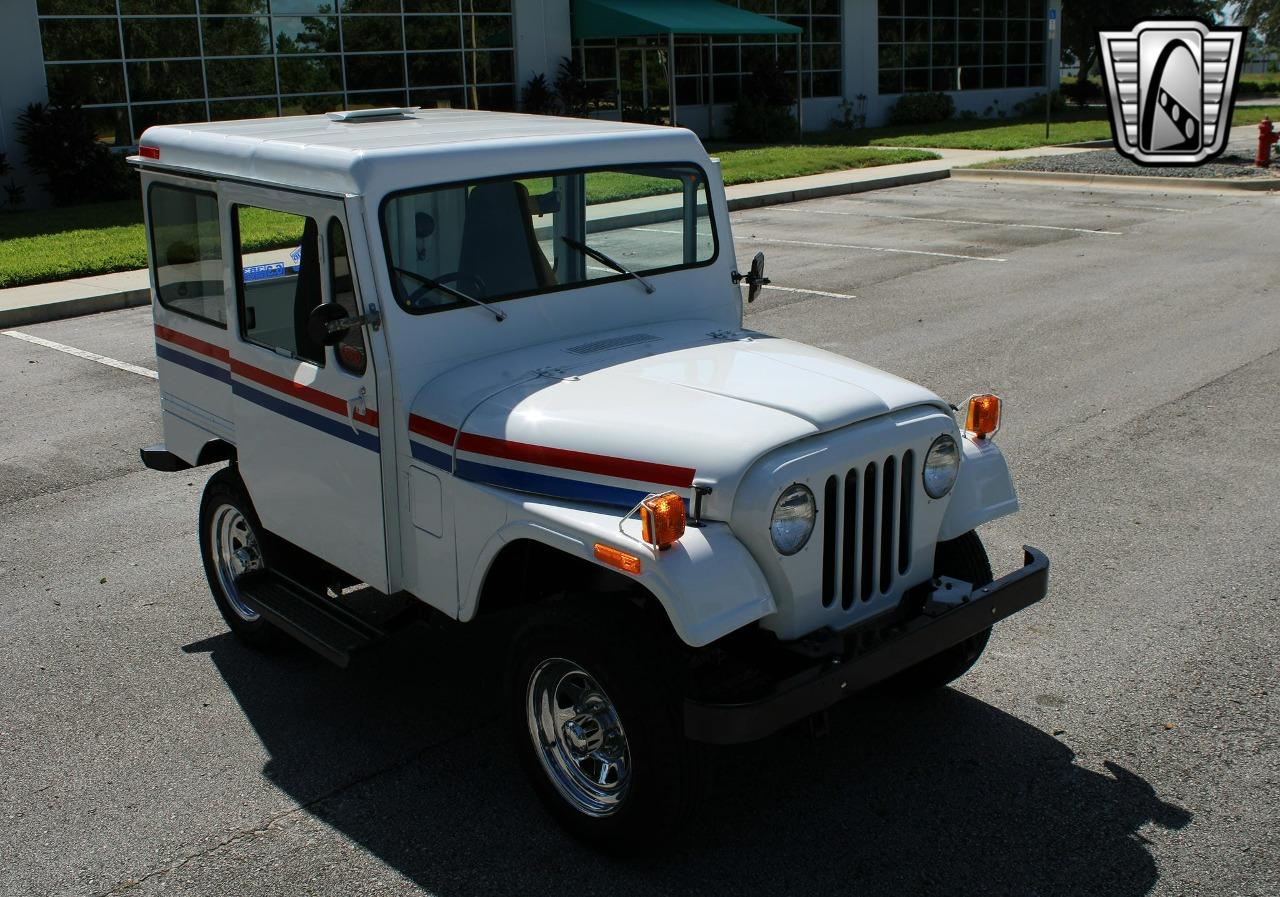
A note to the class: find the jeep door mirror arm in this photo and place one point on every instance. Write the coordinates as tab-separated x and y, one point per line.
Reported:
756	281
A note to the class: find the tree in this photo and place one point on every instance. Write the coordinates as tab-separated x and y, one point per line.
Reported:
1262	16
1083	19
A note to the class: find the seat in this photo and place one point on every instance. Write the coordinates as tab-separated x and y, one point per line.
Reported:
499	248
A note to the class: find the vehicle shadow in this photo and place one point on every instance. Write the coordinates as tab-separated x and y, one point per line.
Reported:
405	756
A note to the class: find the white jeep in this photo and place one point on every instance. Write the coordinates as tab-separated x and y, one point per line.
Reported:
466	363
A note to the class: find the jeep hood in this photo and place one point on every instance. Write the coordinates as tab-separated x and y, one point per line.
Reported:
611	417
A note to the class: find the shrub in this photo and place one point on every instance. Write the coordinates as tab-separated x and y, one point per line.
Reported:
922	108
538	97
762	113
1082	91
60	145
14	195
577	94
1034	105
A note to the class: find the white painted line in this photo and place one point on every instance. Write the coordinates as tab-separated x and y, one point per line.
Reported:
1076	230
809	292
945	255
81	353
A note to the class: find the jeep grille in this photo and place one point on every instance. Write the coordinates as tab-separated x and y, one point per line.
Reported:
866	529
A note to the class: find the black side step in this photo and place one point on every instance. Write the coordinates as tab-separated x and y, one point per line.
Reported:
316	620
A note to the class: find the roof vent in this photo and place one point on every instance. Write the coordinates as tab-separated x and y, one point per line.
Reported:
359	115
616	342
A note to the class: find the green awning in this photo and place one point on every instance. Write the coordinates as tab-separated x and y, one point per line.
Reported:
637	18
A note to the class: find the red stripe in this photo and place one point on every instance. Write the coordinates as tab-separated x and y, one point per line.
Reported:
195	345
432	430
299	391
604	465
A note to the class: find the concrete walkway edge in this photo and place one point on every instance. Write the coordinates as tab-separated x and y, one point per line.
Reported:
1137	182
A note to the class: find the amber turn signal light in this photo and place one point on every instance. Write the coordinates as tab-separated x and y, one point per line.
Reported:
983	418
628	563
662	519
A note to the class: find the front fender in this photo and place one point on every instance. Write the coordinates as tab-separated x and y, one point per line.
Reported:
708	584
983	492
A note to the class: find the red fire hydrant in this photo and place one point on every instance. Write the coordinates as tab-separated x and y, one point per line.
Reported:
1266	136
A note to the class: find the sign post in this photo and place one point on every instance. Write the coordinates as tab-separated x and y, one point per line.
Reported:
1052	27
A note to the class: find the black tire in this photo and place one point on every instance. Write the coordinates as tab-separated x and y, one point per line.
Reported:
638	669
961	558
226	491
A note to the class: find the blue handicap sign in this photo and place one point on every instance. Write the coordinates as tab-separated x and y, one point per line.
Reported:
1053	14
296	258
263	272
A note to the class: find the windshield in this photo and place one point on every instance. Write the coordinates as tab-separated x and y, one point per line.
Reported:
503	239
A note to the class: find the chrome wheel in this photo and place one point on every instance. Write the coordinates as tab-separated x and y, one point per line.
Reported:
234	548
578	737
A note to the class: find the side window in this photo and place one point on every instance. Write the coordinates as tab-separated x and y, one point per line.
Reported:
186	249
278	280
350	352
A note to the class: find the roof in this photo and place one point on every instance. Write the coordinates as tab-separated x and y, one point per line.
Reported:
376	155
633	18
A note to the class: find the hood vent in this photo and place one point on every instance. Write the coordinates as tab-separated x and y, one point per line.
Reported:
616	342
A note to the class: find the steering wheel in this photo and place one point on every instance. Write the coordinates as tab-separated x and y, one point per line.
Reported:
429	284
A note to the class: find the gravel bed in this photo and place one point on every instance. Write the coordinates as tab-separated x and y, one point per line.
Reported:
1110	162
1236	162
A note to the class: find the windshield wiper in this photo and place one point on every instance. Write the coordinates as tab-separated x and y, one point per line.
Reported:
605	260
450	291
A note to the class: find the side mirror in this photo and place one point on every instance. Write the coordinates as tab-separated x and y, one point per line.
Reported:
319	321
756	281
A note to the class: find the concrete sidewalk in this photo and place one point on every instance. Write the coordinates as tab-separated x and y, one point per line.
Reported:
107	292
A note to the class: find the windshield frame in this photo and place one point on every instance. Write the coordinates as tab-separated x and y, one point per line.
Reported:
389	262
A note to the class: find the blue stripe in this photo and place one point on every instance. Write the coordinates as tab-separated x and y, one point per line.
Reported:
554	487
340	429
195	364
432	456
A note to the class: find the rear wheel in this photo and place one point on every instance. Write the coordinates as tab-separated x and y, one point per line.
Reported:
594	707
962	558
231	546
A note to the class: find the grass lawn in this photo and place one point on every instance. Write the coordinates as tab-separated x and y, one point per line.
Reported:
78	241
56	244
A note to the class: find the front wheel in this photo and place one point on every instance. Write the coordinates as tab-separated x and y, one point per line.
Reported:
595	713
963	558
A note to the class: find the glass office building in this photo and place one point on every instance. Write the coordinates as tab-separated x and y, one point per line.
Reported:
135	63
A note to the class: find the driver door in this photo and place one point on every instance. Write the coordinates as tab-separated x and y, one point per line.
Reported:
306	415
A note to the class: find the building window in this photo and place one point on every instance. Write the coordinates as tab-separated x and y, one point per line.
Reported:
633	71
960	44
136	63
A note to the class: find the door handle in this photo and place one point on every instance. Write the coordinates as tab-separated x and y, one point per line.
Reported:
356	406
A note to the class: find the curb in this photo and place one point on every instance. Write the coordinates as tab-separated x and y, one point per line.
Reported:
800	194
73	308
1221	185
88	305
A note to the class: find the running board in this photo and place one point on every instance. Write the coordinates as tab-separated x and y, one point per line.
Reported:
316	620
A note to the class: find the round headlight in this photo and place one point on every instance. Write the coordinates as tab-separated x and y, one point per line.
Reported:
941	466
793	518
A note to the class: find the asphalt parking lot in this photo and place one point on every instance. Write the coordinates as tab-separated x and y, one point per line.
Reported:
1120	738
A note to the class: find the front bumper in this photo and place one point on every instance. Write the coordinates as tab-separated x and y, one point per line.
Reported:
823	685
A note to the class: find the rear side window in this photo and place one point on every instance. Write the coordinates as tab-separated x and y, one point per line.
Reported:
186	250
279	282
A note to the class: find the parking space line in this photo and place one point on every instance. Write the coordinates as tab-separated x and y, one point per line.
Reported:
809	292
1077	230
81	353
945	255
